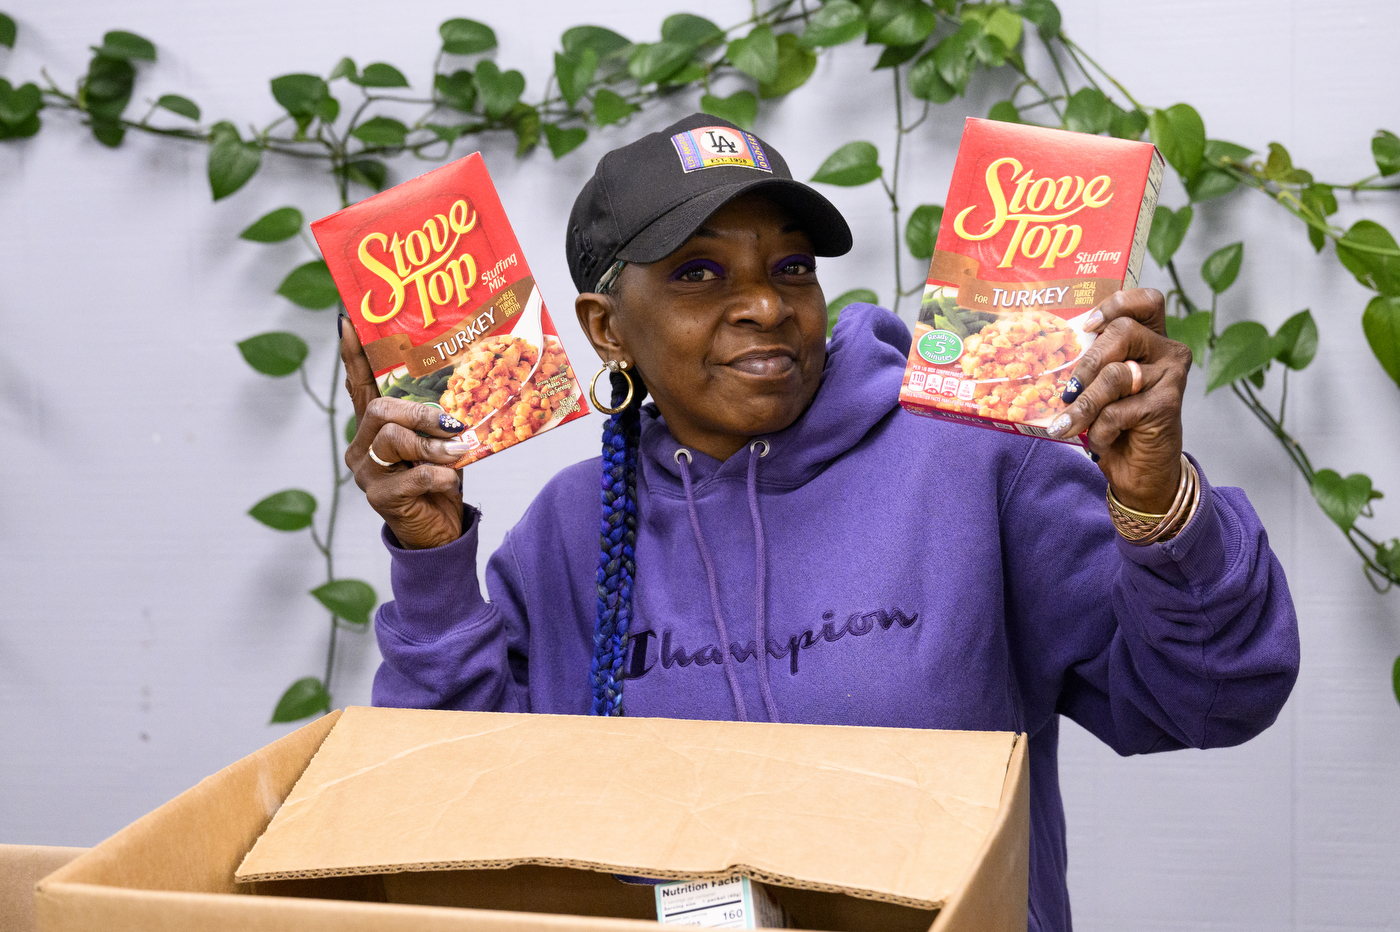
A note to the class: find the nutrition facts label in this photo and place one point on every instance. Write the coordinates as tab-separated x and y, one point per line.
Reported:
931	383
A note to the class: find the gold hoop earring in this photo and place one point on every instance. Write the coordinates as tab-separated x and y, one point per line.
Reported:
611	366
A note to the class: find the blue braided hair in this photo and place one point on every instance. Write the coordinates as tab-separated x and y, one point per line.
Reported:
617	558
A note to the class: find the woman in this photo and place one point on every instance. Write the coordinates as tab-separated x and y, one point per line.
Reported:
781	541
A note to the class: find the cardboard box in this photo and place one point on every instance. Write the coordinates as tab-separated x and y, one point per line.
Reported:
1039	227
21	867
378	818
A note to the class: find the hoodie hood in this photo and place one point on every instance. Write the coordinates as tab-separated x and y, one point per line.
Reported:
865	363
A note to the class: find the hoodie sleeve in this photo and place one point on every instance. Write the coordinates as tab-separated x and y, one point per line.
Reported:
444	645
1188	643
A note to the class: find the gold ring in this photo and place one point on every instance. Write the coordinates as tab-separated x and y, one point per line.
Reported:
1136	370
375	456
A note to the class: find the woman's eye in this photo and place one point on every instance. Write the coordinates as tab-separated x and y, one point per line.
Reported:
697	272
797	265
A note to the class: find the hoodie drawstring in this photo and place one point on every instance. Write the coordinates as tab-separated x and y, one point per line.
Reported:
683	460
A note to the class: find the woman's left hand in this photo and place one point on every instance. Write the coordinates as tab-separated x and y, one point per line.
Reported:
1135	434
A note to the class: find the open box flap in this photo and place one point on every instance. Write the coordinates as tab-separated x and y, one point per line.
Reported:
899	815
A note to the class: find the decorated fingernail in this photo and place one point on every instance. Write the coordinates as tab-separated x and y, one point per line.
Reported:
456	448
1093	322
1093	456
1059	425
1072	389
451	424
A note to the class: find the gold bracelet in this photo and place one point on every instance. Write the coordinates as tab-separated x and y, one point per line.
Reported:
1143	528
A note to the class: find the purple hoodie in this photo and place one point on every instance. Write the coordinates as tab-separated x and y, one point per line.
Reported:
900	571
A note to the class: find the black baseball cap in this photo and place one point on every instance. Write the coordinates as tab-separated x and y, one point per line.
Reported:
650	196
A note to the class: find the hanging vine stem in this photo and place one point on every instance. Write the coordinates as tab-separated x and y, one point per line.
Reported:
626	77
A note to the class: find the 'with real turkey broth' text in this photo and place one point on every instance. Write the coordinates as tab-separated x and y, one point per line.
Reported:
1040	226
445	306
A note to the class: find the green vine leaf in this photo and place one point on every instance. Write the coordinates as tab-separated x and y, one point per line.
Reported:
277	353
1222	267
108	87
348	599
352	424
855	163
739	108
1295	343
954	57
1395	670
575	75
1180	134
1193	330
690	72
756	54
380	131
926	83
126	46
500	91
1220	151
610	107
1385	147
1320	200
844	300
303	699
1168	230
19	107
1127	124
345	68
274	226
689	29
900	22
379	75
182	106
1381	324
1045	15
288	510
8	31
895	55
1004	111
603	42
457	90
654	62
563	141
310	285
1088	111
996	21
1209	184
305	97
466	37
1243	349
368	172
921	232
1370	253
524	121
796	63
1279	167
837	22
1342	500
231	160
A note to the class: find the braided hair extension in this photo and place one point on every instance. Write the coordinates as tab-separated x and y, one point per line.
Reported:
617	560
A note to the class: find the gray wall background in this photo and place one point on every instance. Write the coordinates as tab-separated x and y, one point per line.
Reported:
147	625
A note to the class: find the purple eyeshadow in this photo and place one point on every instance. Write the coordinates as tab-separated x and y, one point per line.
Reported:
806	260
694	264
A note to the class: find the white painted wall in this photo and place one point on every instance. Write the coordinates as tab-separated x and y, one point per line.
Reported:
147	625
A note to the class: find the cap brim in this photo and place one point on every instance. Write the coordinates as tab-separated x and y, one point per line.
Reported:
818	217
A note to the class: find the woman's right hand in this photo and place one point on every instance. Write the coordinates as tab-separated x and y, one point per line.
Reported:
419	494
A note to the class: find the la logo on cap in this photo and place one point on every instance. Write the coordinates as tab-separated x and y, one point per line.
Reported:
713	146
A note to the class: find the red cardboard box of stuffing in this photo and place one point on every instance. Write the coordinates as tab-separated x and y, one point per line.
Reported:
1040	226
445	306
